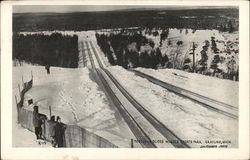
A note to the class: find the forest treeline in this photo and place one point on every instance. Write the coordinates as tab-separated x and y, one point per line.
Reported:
132	50
224	19
55	49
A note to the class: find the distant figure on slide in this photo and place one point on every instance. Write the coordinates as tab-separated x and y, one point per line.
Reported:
47	67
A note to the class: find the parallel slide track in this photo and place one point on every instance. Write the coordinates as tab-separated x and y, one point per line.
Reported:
160	127
133	125
220	107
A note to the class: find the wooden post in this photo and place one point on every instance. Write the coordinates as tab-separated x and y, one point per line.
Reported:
193	49
17	110
16	99
31	75
50	112
22	81
19	89
132	143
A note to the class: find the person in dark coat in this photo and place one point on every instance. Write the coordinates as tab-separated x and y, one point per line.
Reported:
37	122
51	130
59	132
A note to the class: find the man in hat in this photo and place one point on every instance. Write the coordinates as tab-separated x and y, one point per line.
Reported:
59	132
37	122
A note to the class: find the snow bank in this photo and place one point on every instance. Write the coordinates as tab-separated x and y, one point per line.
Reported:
187	119
74	97
219	89
21	137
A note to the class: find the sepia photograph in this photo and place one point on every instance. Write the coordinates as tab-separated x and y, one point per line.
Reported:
126	76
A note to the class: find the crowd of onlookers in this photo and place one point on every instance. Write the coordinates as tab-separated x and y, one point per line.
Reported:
55	128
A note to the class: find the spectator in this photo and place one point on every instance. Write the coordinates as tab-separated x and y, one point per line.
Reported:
51	130
47	67
37	123
59	132
30	103
38	120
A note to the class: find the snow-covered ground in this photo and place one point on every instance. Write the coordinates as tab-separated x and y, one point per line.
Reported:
21	137
25	138
78	100
219	89
187	119
74	97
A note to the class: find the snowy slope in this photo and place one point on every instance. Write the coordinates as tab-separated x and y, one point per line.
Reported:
187	119
219	89
74	97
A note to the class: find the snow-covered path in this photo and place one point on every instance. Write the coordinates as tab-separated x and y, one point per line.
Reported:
83	59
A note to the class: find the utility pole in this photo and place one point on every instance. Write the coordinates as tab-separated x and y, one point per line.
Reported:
193	49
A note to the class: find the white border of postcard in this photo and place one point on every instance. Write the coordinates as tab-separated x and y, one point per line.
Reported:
8	152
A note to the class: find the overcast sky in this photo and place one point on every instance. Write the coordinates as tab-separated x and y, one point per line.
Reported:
86	8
